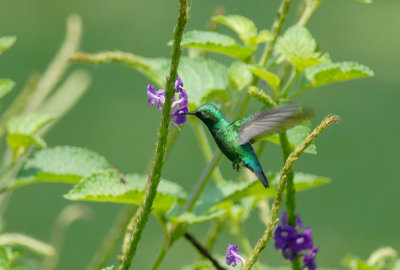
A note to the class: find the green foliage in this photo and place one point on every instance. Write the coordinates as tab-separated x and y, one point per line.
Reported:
271	78
6	42
381	259
299	48
245	28
239	76
215	42
108	268
334	72
193	73
5	260
296	135
6	86
66	164
22	132
109	186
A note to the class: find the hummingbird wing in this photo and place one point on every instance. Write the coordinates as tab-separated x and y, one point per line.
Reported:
266	123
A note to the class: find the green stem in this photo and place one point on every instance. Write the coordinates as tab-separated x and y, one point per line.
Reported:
161	255
308	11
154	177
293	76
212	234
110	241
273	217
202	182
290	192
205	146
276	29
300	92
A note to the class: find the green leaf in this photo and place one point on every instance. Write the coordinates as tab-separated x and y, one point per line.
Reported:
4	259
215	42
108	268
298	47
22	132
239	75
296	135
6	42
191	218
67	164
211	95
199	76
271	78
6	86
302	182
244	27
354	263
334	72
107	186
365	1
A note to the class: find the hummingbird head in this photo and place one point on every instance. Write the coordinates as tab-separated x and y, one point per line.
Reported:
207	113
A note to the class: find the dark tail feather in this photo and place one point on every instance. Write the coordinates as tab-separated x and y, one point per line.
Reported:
261	176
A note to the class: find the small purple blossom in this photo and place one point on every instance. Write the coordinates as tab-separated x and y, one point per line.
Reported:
294	243
309	259
179	106
232	255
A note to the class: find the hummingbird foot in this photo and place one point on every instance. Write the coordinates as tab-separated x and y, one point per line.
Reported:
235	166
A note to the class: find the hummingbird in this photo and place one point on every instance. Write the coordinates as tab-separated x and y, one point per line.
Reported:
235	139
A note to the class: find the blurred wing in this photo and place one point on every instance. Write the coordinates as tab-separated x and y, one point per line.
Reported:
269	122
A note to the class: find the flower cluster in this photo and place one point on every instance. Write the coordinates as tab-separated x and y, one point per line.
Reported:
232	255
294	244
179	106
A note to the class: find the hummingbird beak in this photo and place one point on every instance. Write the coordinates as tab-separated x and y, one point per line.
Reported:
190	113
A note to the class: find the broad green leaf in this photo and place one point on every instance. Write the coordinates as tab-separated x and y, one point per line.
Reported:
215	42
298	47
6	42
4	259
67	164
107	186
211	95
191	218
244	27
199	76
6	86
271	78
218	196
239	75
263	36
22	132
296	135
334	72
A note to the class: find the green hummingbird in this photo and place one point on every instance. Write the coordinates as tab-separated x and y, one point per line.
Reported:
234	139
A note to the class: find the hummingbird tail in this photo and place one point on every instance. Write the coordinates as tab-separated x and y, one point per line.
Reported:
261	176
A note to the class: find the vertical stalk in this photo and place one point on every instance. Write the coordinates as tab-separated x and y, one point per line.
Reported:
276	29
273	217
154	177
290	192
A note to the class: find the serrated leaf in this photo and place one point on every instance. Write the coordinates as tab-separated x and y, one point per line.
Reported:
298	47
22	132
296	135
107	186
334	72
244	27
199	76
216	42
239	76
68	164
271	78
6	42
6	86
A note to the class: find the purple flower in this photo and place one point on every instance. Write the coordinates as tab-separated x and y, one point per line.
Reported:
178	106
294	243
309	259
232	255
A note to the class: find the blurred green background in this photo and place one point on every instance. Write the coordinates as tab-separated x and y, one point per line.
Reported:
357	213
